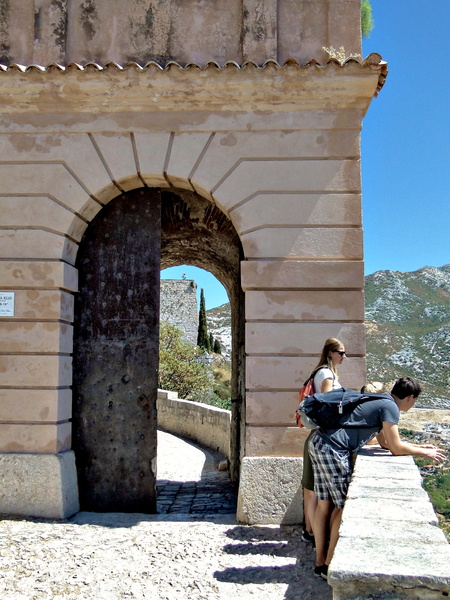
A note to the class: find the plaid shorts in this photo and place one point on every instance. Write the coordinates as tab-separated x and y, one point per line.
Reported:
332	470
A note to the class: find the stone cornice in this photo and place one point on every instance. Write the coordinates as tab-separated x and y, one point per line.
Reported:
112	88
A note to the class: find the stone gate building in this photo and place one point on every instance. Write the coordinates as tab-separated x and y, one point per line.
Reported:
141	135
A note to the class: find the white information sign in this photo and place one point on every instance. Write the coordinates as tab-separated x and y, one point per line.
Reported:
6	304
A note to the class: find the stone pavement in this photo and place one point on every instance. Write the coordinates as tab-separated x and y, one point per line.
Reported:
192	550
189	482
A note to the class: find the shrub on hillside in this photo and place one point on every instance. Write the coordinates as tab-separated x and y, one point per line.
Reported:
436	482
438	488
179	369
367	23
218	402
222	383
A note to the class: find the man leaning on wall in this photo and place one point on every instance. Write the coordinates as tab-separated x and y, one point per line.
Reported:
331	452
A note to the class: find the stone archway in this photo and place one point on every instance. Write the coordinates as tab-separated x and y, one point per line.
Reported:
195	231
116	333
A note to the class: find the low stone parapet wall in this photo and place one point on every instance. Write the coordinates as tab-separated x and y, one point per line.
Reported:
199	422
390	546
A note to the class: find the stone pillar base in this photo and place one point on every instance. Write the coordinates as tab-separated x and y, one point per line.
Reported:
39	485
270	491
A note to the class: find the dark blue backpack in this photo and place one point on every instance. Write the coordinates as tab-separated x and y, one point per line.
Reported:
331	410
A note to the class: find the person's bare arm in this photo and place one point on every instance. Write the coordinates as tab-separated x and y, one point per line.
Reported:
327	385
381	439
400	448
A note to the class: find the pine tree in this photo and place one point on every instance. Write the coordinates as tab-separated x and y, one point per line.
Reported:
211	341
202	336
217	347
367	23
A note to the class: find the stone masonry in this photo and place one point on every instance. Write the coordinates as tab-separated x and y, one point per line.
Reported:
178	306
230	112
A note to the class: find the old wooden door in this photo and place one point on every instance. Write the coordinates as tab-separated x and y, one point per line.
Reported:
116	355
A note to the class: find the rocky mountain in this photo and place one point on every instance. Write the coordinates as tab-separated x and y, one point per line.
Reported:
218	321
407	329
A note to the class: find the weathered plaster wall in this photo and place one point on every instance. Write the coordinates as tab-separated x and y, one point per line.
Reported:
288	180
64	31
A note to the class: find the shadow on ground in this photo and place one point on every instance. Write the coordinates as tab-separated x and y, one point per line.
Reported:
280	542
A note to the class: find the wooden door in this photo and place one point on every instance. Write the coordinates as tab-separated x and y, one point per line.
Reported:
116	355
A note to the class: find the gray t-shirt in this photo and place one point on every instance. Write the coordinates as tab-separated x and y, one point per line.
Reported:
365	421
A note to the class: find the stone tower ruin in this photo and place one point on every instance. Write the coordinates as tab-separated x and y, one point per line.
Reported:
178	306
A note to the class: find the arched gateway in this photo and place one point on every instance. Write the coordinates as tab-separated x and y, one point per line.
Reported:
116	331
255	167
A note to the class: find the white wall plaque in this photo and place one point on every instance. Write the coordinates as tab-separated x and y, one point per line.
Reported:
6	304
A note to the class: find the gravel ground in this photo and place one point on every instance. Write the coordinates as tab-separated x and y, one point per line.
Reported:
157	557
117	556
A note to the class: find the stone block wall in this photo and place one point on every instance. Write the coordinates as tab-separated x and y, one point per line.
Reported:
39	485
285	174
178	306
271	491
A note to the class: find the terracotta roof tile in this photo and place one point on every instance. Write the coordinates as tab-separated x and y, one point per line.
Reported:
373	61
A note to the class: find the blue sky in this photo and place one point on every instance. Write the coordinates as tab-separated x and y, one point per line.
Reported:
215	294
405	145
406	139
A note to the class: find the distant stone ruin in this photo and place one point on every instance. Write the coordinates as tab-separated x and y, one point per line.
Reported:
178	306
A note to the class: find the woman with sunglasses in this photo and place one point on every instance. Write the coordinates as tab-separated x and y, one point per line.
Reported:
325	380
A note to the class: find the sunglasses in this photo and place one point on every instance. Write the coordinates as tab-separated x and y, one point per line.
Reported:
340	352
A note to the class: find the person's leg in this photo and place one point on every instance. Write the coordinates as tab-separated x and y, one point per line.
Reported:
324	504
342	478
333	516
309	507
332	472
321	529
335	523
309	496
